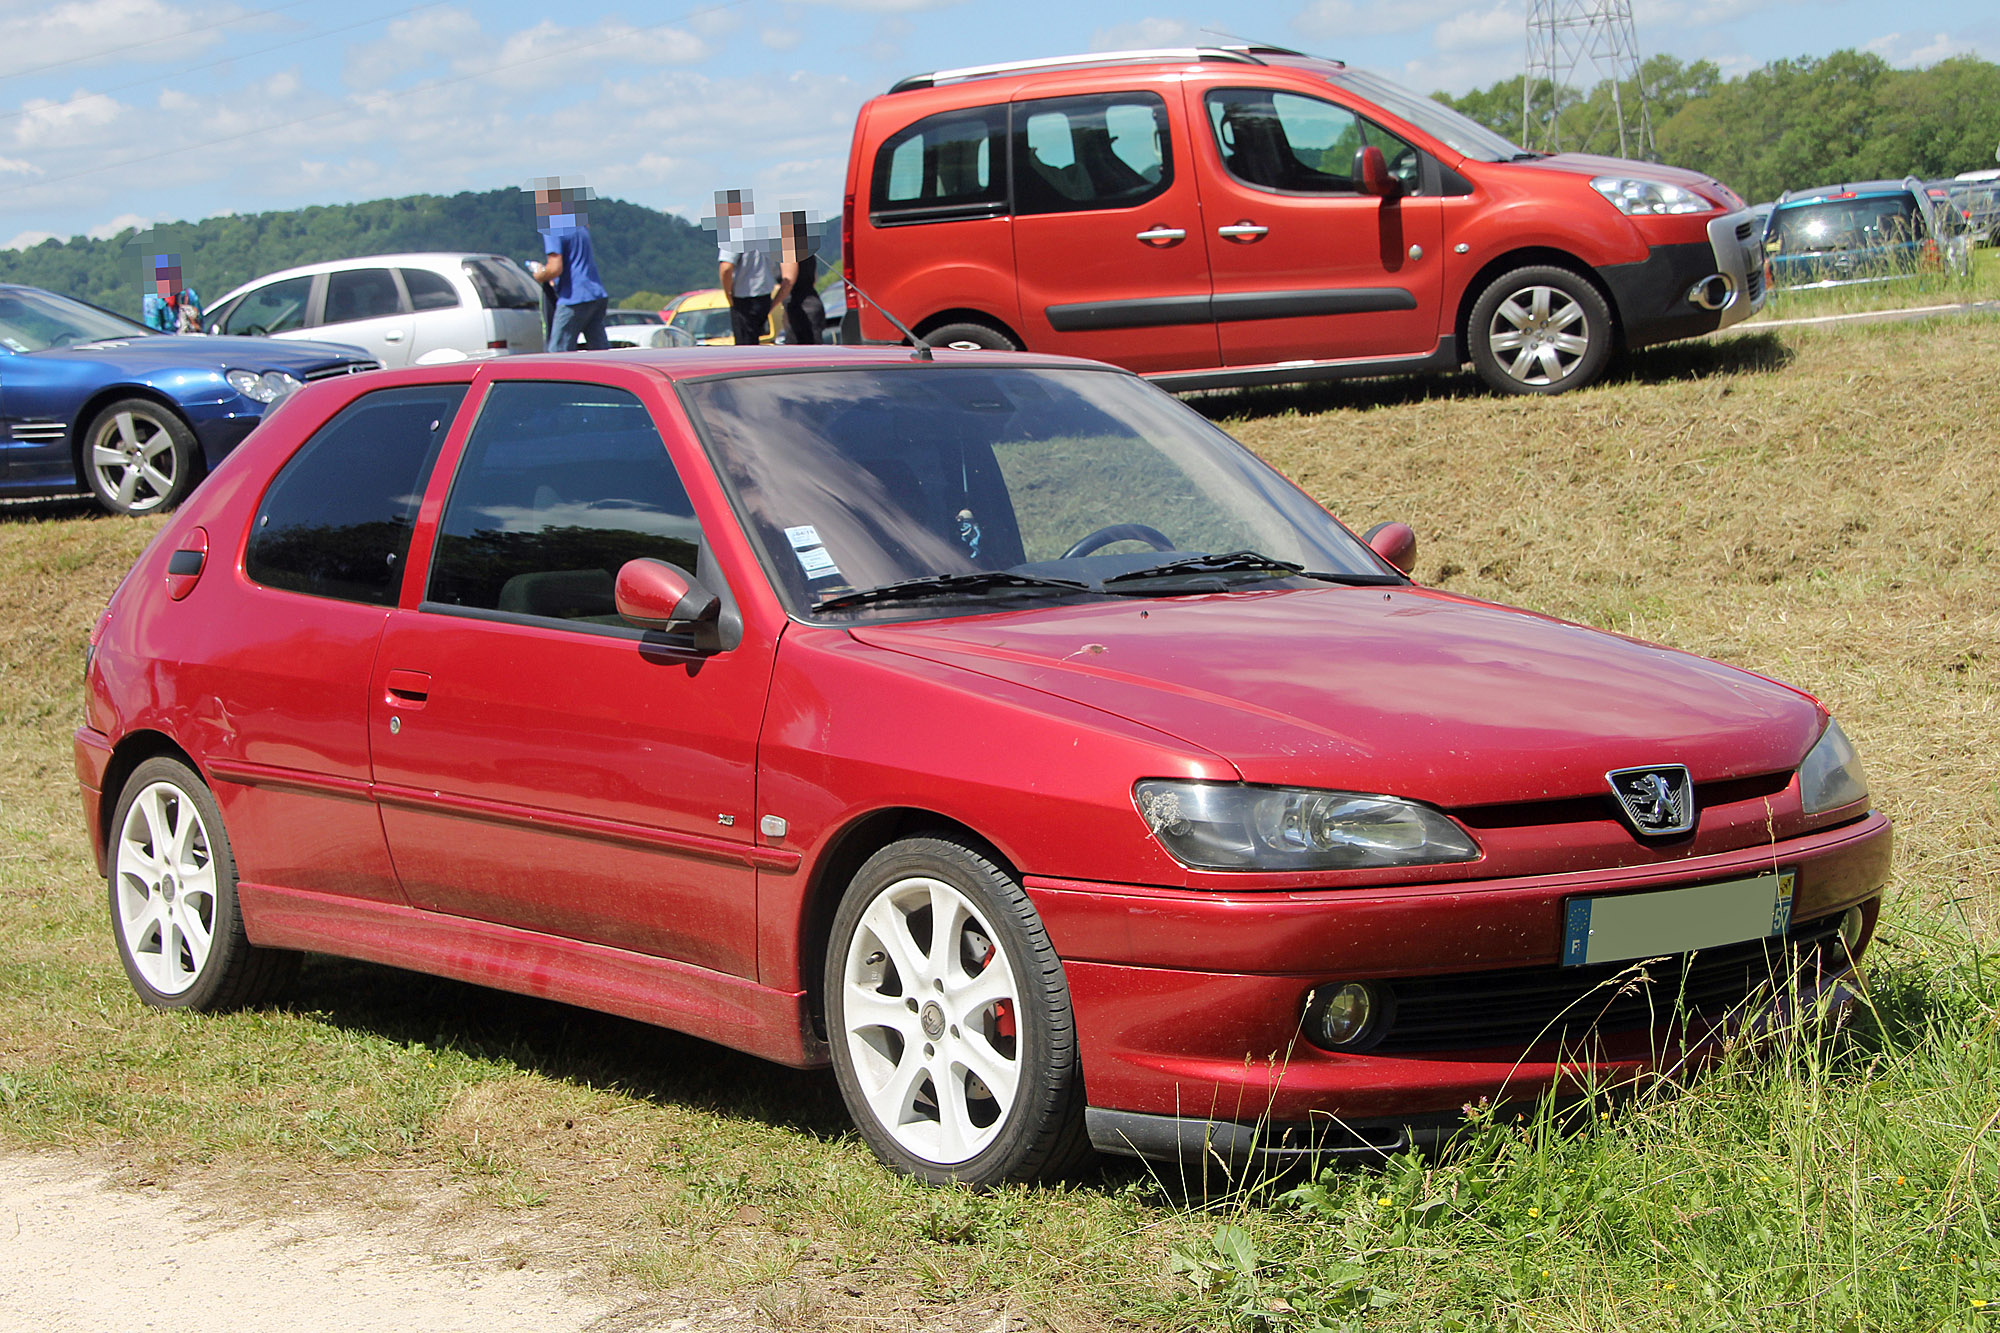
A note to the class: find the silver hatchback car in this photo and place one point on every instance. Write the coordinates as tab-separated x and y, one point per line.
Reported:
405	310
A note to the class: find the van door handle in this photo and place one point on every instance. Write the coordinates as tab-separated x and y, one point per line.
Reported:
392	335
1163	235
408	689
1241	231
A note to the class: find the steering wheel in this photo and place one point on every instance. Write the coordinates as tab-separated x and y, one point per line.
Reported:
254	331
62	339
1119	532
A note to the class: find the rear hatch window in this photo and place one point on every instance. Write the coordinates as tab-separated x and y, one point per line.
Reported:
1847	224
500	284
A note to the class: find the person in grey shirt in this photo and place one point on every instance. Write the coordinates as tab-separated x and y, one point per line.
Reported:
749	277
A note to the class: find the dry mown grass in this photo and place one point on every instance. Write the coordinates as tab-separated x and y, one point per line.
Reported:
1821	507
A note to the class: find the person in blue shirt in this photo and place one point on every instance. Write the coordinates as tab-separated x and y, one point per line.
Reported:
570	267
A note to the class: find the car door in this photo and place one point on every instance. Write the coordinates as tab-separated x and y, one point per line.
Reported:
1305	265
1107	232
286	676
443	325
274	310
539	763
365	308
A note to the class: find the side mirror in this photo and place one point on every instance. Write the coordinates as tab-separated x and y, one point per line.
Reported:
653	594
1394	542
1372	170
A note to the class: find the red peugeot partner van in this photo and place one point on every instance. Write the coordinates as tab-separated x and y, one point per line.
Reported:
1249	215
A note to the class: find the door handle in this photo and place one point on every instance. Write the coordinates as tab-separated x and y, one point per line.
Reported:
407	689
1162	235
393	335
1241	231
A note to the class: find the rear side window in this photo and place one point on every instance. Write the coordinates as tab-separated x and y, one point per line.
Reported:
428	290
336	522
560	485
1282	141
361	293
944	167
1073	153
501	285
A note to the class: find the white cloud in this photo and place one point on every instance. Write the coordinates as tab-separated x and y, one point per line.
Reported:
1344	18
1147	34
14	166
45	123
1499	28
28	238
1917	50
102	31
780	39
883	6
104	231
410	42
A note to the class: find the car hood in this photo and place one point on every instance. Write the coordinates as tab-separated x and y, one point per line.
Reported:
1401	691
158	353
1589	164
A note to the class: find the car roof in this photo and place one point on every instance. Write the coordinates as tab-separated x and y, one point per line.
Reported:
687	363
1165	56
446	261
1908	185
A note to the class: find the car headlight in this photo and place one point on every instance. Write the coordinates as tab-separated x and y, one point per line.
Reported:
1646	198
1831	775
1230	826
272	386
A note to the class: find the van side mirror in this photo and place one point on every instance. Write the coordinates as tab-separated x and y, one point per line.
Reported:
1372	170
653	594
1394	542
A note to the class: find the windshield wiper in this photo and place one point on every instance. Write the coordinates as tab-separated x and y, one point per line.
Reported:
1230	562
970	582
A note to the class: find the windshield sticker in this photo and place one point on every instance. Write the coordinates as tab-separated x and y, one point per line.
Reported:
803	537
14	344
817	563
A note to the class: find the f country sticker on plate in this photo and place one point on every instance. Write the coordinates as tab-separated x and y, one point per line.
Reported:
1649	925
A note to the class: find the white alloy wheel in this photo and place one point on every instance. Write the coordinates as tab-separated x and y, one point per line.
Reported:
164	888
1539	334
930	1005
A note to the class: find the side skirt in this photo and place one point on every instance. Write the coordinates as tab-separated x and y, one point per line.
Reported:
770	1024
1445	358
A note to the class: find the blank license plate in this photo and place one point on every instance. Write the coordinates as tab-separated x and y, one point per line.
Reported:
1648	925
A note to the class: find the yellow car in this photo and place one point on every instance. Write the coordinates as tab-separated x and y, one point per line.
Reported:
703	315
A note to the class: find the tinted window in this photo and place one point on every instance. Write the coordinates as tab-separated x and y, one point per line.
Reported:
361	293
943	167
1074	153
428	290
501	285
270	309
1281	141
336	522
560	485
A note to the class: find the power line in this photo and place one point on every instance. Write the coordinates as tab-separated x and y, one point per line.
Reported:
226	60
150	41
148	158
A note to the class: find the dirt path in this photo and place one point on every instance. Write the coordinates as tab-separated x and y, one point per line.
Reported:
82	1253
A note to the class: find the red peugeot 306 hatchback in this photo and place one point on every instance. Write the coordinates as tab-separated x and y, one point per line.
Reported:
990	727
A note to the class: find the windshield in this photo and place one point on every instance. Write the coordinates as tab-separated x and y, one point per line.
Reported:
701	324
1846	224
1459	132
35	321
999	486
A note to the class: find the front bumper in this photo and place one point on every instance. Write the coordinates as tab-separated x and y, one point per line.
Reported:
1691	288
1188	1004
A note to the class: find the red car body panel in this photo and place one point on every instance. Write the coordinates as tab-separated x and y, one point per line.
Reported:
577	817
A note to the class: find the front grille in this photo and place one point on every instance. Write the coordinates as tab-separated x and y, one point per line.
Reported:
344	368
1744	230
40	432
1527	1006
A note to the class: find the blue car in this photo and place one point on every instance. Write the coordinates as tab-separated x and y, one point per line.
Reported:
92	401
1861	232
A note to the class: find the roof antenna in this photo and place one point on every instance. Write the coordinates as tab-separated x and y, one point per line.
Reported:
923	349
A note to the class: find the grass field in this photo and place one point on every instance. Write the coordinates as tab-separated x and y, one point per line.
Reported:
1823	506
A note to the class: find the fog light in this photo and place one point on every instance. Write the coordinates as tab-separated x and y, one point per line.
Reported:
1343	1018
1852	922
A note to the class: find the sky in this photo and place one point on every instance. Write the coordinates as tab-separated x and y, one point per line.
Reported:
126	113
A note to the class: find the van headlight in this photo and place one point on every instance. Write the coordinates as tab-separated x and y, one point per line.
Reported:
1831	775
273	386
1648	198
1232	826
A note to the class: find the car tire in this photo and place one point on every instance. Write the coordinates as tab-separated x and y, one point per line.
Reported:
970	337
172	884
956	1053
139	457
1540	329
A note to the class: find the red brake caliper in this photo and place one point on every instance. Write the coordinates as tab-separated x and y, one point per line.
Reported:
1003	1010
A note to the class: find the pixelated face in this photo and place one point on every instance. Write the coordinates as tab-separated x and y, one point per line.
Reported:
560	200
166	270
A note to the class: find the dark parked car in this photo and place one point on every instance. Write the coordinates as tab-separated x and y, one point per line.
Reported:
1866	231
93	401
992	728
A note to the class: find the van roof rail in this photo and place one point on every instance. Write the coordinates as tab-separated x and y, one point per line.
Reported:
1242	55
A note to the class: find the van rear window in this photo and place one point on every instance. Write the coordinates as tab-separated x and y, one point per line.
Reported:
944	167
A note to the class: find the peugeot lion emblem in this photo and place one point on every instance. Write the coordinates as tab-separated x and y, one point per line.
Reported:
1658	800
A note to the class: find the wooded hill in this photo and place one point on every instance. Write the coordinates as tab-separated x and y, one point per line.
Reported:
1791	125
638	249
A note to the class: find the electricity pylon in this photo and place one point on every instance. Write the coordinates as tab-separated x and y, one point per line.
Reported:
1565	36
